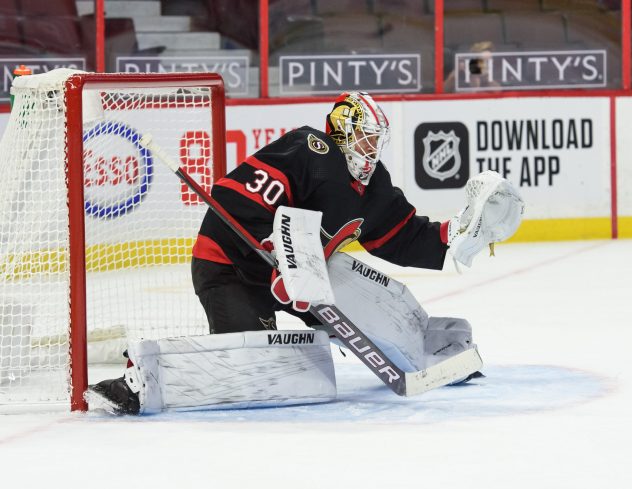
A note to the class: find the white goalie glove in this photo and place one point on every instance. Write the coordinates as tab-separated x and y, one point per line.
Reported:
493	213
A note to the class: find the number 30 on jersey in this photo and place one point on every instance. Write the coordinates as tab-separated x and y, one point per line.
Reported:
271	190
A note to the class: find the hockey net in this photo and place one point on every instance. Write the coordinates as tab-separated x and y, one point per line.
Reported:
95	235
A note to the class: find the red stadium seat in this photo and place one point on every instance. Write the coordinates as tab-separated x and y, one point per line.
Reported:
10	38
54	35
64	8
120	40
51	26
8	8
237	20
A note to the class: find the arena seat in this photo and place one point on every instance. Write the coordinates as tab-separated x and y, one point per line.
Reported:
343	7
592	28
352	32
10	39
60	35
459	6
52	26
298	34
9	31
281	10
407	33
536	30
568	5
294	27
8	8
513	5
407	8
120	39
469	29
53	8
242	29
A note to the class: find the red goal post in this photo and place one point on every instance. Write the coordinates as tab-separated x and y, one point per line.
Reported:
125	218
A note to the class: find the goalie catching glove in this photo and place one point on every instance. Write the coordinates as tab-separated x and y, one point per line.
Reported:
493	213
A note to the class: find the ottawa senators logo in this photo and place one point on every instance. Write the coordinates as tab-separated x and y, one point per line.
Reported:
348	233
317	145
347	112
269	323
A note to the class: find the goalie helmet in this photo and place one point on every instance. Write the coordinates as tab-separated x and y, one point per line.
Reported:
361	130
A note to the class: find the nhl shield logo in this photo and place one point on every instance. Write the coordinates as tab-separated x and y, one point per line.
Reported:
441	155
441	160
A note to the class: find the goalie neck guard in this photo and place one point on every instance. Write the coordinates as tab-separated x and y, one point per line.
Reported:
361	130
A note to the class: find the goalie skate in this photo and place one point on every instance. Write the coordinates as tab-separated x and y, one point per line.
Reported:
113	396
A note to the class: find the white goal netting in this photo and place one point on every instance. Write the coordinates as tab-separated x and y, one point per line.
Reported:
140	224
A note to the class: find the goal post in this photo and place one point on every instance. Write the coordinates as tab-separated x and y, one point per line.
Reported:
95	235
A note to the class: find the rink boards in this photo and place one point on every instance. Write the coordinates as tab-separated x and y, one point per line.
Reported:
568	155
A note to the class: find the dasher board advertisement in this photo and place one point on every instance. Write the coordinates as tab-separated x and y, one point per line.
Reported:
556	151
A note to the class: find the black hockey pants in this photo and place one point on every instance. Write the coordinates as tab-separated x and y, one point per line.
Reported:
233	305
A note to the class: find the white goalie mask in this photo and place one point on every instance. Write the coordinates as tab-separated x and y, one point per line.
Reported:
361	130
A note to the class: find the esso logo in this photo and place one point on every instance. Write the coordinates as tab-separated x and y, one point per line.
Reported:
117	170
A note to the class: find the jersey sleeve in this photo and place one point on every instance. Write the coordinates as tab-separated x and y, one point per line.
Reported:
251	193
401	236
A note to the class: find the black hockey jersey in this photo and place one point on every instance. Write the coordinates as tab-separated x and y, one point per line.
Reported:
305	169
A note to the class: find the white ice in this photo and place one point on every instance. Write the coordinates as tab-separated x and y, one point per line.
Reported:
553	324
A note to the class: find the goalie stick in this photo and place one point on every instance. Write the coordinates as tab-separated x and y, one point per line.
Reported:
402	383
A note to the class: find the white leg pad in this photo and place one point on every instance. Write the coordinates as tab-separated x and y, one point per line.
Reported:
233	370
383	308
446	337
386	311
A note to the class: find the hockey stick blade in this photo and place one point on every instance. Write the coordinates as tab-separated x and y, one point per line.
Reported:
400	382
443	373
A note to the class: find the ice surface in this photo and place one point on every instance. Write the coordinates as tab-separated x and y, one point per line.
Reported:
553	324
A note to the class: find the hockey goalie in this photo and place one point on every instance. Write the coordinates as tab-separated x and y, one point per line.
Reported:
300	199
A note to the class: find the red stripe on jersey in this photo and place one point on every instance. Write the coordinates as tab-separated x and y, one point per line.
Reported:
207	249
376	243
347	233
274	173
241	189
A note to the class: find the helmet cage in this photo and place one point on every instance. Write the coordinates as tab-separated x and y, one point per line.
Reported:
366	141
